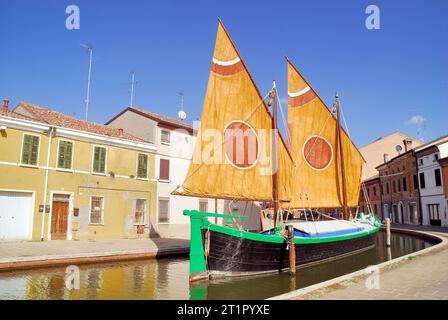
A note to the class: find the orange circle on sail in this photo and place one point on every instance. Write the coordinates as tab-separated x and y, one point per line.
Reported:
317	152
241	144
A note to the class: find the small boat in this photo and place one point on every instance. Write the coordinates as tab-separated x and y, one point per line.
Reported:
240	155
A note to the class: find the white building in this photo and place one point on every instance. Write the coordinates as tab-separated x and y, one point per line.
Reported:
175	142
434	208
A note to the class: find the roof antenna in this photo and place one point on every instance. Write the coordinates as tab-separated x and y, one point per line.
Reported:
181	114
133	83
89	48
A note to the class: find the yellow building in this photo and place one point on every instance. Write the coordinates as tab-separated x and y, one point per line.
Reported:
65	178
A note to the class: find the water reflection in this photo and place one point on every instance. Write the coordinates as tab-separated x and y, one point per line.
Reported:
168	278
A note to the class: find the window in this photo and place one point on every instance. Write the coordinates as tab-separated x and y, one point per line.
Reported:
438	177
65	152
99	159
142	166
382	189
394	189
422	180
164	172
96	210
376	208
203	205
399	185
434	211
387	188
436	157
415	182
421	161
368	192
30	149
405	185
374	191
164	207
165	136
140	211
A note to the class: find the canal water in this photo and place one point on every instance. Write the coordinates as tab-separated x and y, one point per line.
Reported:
168	278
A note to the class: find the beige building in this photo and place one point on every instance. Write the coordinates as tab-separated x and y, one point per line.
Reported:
385	147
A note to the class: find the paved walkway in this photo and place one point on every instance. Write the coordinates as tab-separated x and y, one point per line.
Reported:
422	277
20	255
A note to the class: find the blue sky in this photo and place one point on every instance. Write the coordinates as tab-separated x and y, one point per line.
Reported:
385	77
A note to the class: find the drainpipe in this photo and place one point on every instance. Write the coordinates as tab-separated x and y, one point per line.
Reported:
420	216
50	135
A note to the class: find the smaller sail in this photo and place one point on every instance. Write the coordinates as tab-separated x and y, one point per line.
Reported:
317	181
232	158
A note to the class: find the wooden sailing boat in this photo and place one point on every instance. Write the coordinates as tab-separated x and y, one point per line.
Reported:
240	155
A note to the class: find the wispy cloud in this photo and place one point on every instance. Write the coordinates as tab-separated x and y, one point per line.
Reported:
417	119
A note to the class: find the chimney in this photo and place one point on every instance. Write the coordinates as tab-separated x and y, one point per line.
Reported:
121	132
5	105
406	143
386	157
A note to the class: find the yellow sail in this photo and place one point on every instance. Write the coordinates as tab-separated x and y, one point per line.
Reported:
314	143
232	158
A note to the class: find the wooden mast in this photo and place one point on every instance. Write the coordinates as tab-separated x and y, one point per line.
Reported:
275	153
345	212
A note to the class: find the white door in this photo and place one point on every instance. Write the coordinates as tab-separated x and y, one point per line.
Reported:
16	212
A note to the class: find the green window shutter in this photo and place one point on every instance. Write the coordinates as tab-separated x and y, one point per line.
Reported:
99	160
65	154
35	150
142	168
68	155
26	149
30	149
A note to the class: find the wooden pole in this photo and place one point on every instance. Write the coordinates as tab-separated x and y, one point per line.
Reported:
345	212
216	210
275	154
292	251
388	232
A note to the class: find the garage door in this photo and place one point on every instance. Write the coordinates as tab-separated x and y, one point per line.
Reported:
16	213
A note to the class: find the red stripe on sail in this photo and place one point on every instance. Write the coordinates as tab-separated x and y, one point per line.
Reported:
302	99
227	70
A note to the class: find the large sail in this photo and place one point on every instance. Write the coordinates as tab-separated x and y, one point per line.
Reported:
232	156
314	142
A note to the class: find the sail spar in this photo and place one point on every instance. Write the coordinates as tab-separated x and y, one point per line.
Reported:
314	142
232	158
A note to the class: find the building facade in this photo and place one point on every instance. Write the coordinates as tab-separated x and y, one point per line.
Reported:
431	182
399	189
64	178
370	195
374	152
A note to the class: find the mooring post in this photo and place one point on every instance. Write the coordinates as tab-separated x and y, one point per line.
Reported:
388	232
292	251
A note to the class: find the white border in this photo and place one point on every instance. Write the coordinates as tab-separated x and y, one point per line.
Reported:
299	93
226	63
258	145
303	152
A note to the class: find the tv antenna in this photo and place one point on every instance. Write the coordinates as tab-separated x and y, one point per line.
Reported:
181	114
89	48
133	83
